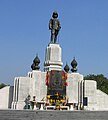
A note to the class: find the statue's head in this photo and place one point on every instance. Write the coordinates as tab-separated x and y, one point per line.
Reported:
55	14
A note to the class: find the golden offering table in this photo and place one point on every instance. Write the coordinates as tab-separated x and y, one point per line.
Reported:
50	107
57	107
64	107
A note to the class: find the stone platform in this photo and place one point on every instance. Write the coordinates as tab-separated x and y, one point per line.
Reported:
53	115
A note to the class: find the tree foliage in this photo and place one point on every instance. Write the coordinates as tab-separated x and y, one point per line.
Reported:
102	81
2	85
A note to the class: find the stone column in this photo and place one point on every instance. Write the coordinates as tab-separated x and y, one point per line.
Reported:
53	60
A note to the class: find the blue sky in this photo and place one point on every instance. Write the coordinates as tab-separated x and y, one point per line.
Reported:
24	32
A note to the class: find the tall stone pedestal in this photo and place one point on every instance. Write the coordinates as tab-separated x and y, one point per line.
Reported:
53	59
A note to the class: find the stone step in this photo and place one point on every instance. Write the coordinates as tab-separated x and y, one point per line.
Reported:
52	115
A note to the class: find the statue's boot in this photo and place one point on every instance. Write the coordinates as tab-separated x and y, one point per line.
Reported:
51	39
55	39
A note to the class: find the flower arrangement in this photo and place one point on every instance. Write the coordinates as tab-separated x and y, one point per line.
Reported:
56	99
47	78
64	77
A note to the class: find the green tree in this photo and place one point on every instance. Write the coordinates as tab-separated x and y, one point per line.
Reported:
2	85
102	81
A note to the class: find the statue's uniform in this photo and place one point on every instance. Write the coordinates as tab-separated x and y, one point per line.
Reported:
54	25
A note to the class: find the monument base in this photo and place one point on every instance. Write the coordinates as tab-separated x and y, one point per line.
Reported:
53	58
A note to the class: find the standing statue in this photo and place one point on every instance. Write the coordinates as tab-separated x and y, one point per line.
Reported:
54	26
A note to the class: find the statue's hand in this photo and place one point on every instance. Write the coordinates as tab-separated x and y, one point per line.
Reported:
59	27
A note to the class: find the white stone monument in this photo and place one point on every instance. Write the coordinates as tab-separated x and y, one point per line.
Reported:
79	93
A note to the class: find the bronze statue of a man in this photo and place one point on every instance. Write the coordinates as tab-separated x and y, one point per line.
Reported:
54	26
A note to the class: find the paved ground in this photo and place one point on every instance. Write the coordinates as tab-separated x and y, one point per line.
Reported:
53	115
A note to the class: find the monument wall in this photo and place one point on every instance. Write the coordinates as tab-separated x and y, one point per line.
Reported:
74	87
102	100
6	96
90	92
33	85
